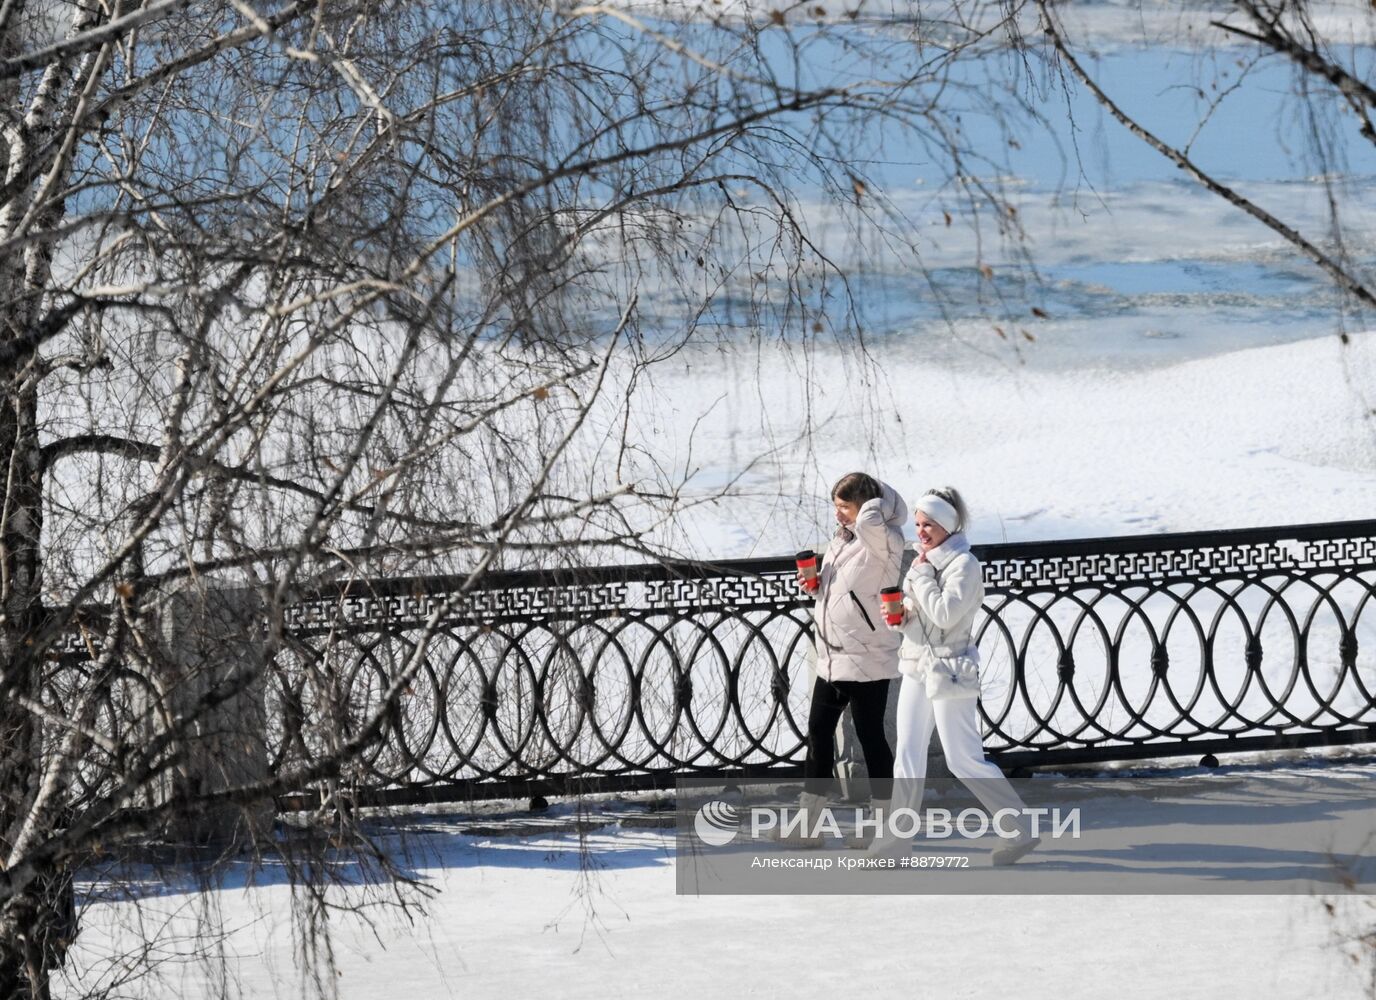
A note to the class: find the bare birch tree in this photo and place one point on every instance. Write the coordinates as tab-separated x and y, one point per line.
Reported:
305	292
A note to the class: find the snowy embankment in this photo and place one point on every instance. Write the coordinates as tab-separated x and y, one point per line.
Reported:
1273	435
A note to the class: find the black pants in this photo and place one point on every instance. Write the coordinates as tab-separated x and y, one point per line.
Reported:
867	700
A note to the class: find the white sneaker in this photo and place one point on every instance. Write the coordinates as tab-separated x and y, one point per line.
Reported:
1012	850
812	804
857	841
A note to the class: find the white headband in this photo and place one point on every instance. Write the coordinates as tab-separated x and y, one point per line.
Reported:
938	510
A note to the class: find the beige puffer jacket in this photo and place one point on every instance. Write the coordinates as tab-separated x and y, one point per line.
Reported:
848	626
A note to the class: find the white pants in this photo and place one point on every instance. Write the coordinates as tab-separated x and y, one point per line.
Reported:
957	723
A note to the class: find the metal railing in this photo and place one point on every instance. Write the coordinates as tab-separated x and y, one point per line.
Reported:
1093	650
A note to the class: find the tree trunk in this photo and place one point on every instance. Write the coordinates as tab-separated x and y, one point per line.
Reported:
36	922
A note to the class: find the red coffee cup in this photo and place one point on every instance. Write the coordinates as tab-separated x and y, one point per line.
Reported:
807	565
891	598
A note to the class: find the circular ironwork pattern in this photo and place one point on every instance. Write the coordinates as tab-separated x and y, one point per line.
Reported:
635	692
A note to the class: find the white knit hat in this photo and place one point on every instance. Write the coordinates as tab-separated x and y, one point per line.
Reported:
938	510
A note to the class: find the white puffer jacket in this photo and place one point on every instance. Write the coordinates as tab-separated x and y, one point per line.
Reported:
942	595
848	625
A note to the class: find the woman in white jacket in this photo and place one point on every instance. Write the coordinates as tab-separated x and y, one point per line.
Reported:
857	656
943	591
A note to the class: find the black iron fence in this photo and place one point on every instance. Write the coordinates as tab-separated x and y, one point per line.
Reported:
1093	650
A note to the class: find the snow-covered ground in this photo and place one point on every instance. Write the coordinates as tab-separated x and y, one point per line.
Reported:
562	916
521	921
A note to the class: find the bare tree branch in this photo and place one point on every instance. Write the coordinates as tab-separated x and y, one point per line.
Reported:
1342	276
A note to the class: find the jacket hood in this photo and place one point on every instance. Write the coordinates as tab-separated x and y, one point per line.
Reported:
892	506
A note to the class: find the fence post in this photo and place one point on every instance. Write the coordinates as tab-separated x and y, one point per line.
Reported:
213	667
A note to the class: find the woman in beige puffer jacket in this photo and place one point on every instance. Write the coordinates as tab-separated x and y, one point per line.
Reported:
857	656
